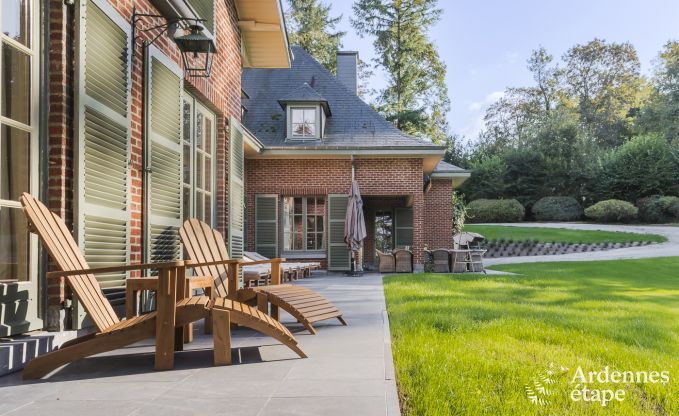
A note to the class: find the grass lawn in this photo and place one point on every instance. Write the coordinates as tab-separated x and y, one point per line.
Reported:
559	235
470	344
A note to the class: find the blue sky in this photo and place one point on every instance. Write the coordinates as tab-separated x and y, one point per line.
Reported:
485	43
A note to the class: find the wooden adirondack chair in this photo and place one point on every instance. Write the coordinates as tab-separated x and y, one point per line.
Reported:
112	333
205	245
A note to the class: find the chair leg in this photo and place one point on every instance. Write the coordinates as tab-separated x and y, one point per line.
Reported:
130	302
221	328
207	326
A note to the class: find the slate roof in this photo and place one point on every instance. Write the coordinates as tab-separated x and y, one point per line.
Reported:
305	94
353	124
445	167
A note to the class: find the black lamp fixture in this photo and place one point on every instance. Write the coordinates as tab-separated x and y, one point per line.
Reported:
192	45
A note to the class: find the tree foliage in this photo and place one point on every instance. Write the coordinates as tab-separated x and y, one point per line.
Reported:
416	97
312	28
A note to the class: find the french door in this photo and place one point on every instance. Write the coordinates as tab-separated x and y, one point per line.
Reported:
199	150
19	107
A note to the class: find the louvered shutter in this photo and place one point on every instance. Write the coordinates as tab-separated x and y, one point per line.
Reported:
266	225
403	226
339	255
236	191
102	182
163	157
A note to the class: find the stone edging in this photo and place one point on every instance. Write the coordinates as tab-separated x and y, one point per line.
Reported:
530	248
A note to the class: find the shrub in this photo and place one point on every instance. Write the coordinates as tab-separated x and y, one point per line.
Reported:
612	210
557	208
658	209
495	210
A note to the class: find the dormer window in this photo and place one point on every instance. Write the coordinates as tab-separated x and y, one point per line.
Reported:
303	122
306	113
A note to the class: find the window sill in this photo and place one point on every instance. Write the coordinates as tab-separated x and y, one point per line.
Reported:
304	255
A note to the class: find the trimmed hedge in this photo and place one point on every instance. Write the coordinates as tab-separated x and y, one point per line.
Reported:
557	208
658	209
495	210
612	210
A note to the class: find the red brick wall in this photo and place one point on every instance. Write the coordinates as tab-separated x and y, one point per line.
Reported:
221	92
376	177
438	220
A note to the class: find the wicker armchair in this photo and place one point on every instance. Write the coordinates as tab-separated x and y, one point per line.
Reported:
441	260
404	261
387	263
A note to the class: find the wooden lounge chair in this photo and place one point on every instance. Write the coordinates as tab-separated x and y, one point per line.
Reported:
112	333
205	245
386	262
403	261
441	260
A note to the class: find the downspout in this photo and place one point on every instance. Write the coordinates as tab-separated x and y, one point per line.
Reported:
353	168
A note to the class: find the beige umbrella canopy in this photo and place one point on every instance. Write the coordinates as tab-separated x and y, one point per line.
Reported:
354	222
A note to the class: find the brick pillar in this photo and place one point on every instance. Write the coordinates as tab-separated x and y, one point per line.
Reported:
418	232
60	141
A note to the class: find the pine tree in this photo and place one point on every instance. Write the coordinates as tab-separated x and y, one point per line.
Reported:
312	28
416	97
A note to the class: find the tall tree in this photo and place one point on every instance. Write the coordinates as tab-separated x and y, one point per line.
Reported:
312	28
604	82
545	75
416	96
661	112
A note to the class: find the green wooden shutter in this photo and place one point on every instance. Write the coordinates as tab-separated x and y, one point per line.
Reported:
205	9
236	191
266	225
403	226
163	157
102	180
339	255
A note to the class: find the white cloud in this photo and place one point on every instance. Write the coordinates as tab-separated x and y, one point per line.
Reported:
478	109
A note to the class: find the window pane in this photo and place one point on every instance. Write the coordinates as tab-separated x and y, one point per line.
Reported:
208	135
199	206
298	206
16	84
199	171
311	241
319	223
187	164
310	224
208	209
319	241
186	203
297	116
15	156
14	241
208	173
199	130
298	241
309	129
16	20
299	226
310	116
298	129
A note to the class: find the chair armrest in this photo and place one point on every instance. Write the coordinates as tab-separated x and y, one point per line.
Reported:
102	270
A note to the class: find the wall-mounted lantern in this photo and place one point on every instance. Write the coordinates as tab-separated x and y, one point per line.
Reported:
193	45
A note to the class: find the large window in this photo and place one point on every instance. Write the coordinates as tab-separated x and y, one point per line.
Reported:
303	224
17	134
303	123
199	159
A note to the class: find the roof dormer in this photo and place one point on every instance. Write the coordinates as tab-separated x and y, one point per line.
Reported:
306	112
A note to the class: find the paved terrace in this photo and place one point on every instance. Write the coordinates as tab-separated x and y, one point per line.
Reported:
349	371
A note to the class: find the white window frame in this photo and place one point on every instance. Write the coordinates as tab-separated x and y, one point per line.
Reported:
317	122
305	231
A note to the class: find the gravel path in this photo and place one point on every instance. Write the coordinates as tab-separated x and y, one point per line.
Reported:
669	248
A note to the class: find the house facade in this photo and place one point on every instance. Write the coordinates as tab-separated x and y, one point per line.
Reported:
314	134
104	120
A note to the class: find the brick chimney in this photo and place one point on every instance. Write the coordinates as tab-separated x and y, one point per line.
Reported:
347	69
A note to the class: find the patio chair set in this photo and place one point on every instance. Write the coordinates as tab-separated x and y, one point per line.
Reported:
467	256
398	261
222	305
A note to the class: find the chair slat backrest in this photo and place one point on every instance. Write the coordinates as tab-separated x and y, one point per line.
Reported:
204	245
63	249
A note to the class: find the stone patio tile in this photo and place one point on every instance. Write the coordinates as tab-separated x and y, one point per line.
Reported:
70	408
332	368
331	388
325	406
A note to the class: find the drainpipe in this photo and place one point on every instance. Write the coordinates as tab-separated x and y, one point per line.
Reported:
353	168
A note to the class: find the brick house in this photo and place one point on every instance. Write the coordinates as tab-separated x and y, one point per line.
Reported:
310	134
116	135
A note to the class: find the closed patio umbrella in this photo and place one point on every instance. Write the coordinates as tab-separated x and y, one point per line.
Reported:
354	222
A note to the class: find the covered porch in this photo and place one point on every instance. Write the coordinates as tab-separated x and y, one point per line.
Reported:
390	225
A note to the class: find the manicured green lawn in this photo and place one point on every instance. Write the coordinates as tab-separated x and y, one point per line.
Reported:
470	344
559	235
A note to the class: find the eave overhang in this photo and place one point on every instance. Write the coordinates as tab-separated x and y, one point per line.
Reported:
263	33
